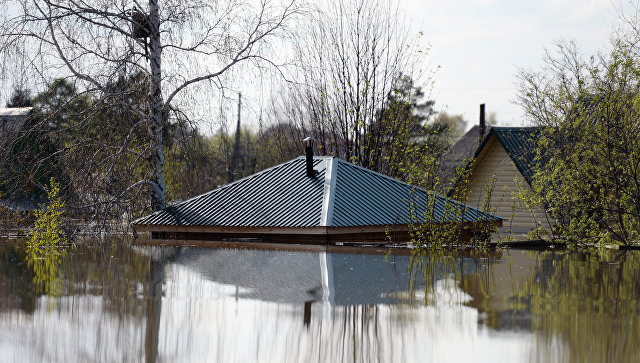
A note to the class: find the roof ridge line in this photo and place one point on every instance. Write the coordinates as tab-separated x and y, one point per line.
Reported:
328	196
515	127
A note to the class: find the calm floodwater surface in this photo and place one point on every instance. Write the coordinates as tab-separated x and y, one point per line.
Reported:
119	303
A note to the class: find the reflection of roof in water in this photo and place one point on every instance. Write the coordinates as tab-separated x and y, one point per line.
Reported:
296	277
269	275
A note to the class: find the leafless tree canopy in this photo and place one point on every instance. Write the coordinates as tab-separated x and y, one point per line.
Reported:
352	57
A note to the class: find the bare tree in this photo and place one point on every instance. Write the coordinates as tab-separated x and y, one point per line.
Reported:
355	58
175	45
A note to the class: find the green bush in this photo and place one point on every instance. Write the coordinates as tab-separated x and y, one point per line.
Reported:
47	230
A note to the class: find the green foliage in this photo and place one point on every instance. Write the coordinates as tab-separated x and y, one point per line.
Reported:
278	143
431	232
589	153
46	242
403	141
47	230
439	222
45	263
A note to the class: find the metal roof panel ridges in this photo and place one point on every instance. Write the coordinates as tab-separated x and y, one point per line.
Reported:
341	194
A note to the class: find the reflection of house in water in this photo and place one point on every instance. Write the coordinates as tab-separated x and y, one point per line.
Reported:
298	277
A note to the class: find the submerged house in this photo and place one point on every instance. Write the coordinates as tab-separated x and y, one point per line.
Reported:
311	199
503	166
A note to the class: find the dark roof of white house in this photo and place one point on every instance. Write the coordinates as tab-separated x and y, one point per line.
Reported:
520	143
12	119
11	123
340	194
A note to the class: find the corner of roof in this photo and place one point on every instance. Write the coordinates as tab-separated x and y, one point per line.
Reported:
499	132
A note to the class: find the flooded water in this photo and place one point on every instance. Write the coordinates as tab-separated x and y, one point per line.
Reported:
121	303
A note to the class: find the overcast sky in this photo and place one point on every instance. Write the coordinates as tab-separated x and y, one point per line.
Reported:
480	44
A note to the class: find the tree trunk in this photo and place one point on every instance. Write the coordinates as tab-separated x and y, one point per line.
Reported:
156	123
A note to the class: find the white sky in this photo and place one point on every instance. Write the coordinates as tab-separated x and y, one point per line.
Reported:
480	44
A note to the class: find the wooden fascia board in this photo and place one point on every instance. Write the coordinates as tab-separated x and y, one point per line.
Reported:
289	230
229	229
267	230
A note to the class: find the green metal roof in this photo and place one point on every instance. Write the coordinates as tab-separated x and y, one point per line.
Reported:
340	194
521	143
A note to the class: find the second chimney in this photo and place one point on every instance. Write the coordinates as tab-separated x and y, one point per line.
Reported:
308	150
483	125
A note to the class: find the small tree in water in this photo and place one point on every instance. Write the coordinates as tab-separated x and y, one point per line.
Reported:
47	229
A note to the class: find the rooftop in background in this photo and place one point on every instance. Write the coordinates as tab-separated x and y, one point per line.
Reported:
460	153
15	111
283	199
11	122
12	119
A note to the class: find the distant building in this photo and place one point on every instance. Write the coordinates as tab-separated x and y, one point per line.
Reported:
311	200
508	153
11	122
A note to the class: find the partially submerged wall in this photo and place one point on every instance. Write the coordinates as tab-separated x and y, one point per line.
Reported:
494	172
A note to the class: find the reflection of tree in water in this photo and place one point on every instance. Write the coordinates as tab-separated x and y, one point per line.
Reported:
16	279
429	267
111	269
590	301
45	262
